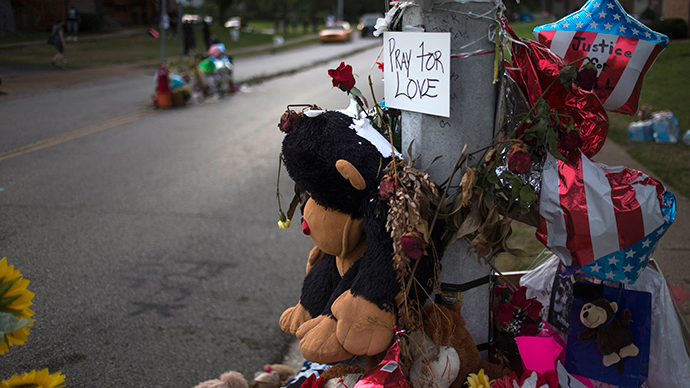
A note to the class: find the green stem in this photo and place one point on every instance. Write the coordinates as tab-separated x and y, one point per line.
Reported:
280	164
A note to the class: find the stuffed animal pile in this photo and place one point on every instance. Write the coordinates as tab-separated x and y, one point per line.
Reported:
352	293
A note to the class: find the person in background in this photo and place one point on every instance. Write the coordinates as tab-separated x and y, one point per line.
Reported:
189	39
207	34
58	39
73	19
172	15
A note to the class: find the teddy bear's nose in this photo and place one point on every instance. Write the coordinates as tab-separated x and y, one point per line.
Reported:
305	227
586	314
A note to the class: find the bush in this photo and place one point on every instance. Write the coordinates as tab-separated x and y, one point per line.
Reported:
673	28
90	23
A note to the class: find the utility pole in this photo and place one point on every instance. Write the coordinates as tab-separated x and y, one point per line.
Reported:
471	122
340	10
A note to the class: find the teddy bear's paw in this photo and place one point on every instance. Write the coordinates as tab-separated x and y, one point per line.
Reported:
319	343
610	359
363	328
293	318
629	351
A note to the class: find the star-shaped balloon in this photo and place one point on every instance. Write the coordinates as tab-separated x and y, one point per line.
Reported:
621	48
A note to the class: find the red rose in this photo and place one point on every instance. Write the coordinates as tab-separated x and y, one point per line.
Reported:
587	77
549	377
412	245
529	329
569	140
498	291
519	159
342	76
519	297
505	314
533	308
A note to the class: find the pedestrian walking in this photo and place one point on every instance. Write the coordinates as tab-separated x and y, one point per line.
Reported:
73	20
57	39
207	34
188	37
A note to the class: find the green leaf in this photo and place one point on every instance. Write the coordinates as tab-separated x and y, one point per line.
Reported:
10	311
516	184
491	177
567	76
5	286
9	323
7	300
543	110
527	195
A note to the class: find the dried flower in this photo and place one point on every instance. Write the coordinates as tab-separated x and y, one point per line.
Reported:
342	77
286	120
386	188
519	159
587	77
412	243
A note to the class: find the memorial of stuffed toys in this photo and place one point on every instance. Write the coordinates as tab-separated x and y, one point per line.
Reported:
595	309
371	312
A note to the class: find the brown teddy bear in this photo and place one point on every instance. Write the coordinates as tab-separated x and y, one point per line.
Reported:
613	336
446	328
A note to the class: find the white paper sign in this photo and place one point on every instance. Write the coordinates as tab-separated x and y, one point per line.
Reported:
417	71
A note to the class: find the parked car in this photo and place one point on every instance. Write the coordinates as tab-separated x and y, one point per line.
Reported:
336	32
233	22
367	24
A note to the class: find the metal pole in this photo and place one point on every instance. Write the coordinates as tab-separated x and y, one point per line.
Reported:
340	10
164	16
473	101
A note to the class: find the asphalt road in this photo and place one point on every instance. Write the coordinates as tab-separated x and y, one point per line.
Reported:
150	237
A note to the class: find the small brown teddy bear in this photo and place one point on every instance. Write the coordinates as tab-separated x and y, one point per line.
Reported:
226	380
614	339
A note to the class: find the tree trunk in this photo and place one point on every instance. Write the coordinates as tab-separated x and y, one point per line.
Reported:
7	26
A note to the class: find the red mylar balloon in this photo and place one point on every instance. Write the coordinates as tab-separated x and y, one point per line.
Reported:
534	68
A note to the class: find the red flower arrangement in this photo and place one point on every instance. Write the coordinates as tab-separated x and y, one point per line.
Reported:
515	315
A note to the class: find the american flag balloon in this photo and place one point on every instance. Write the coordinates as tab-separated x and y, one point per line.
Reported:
606	219
622	49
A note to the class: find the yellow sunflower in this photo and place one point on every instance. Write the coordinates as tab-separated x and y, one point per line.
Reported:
33	379
14	299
